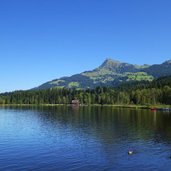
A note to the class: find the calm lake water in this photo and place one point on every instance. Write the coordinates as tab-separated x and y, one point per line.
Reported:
88	138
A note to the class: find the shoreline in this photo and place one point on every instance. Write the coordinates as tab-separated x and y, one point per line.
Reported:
155	107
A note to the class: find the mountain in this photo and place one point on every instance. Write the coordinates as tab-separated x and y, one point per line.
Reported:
111	73
159	70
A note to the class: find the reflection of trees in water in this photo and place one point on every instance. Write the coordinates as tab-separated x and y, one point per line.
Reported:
108	124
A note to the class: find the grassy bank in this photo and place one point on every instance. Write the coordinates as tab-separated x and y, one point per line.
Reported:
159	106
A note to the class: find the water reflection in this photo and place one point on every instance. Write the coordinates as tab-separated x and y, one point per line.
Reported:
135	124
88	137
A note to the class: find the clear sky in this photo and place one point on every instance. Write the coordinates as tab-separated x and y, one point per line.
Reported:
41	40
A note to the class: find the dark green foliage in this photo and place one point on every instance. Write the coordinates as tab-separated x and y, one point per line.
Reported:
141	93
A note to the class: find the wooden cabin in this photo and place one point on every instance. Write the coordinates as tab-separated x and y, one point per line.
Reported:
75	102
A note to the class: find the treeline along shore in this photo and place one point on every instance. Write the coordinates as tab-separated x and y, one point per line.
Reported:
157	92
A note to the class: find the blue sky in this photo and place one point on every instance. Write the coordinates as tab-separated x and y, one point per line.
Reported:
41	40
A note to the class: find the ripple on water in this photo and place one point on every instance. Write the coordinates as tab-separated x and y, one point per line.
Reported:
89	139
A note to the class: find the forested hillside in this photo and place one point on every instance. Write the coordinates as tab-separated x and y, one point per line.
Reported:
139	93
110	73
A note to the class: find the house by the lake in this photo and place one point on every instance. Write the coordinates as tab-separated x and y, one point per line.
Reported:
75	102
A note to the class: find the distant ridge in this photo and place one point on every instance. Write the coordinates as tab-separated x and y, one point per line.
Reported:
111	73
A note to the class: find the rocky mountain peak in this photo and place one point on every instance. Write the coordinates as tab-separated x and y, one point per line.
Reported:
110	63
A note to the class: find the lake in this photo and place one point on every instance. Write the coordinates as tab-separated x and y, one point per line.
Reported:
85	138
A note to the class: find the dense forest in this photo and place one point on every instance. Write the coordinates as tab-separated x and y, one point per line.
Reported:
139	93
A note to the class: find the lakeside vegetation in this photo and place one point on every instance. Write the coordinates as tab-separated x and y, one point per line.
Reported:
157	92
